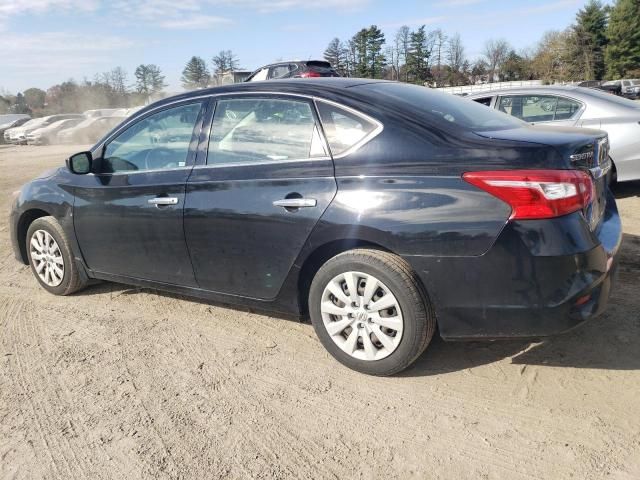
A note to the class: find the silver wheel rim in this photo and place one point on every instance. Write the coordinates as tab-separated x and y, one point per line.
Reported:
47	258
362	316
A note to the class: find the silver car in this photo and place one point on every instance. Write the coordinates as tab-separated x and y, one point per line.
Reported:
577	107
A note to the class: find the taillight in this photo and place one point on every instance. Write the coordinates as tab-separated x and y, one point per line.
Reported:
535	194
310	74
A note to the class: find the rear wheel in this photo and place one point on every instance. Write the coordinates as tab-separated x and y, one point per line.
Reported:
50	257
370	311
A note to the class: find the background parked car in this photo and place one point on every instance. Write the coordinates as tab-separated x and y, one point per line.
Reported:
590	83
18	135
89	130
10	121
613	86
293	69
579	107
48	134
631	89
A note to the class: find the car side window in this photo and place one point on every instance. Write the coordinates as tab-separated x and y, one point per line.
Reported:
263	129
538	108
566	108
344	129
159	141
279	71
484	101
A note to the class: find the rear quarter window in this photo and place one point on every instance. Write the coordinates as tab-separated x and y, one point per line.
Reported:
344	128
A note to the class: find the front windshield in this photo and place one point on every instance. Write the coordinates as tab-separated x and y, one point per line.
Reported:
635	82
443	108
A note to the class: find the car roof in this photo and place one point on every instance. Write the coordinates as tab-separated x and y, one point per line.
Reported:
535	89
302	86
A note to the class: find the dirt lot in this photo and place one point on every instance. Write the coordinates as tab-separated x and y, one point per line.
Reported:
118	382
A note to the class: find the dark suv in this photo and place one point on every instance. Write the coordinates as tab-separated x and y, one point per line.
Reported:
379	209
294	69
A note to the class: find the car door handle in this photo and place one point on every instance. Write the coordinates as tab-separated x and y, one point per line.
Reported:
159	201
296	202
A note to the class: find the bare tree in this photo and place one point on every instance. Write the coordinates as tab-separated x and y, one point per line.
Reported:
402	44
438	39
496	52
455	57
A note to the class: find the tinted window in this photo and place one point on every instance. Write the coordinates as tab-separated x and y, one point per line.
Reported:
483	101
343	128
158	141
440	108
259	129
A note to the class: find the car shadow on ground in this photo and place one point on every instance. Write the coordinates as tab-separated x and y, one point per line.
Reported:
606	342
626	189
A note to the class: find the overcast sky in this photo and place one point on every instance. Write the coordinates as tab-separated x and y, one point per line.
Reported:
44	42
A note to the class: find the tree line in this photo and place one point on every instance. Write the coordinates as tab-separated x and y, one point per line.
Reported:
113	89
107	90
602	43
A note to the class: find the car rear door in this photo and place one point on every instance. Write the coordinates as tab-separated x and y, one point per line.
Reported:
251	206
128	215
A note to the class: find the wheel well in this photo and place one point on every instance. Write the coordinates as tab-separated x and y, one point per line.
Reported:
25	221
318	258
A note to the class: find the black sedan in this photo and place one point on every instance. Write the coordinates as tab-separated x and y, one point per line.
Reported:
379	209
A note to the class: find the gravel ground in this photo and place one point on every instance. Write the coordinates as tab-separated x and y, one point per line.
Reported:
120	382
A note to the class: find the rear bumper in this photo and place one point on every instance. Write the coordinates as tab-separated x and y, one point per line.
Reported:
540	278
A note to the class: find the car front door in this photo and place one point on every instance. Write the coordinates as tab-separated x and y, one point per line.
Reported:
250	208
128	214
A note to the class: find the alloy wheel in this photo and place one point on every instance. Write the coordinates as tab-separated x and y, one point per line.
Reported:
47	258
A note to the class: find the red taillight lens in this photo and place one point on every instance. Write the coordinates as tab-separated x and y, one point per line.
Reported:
310	74
535	194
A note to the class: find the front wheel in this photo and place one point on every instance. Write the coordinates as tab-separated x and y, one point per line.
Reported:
370	311
50	257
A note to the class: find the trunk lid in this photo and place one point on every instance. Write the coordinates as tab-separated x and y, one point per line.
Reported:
580	148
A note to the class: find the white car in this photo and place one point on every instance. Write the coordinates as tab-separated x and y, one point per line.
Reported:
18	135
577	107
46	135
89	130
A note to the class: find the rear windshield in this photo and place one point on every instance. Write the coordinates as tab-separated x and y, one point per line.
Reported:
443	108
611	98
318	63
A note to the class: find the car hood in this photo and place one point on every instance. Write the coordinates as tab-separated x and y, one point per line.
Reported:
545	135
48	173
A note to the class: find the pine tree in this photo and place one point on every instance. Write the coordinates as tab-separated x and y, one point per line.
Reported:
359	40
376	60
195	74
149	79
587	42
335	55
418	56
623	51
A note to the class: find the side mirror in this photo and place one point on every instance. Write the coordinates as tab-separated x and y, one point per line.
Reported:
80	163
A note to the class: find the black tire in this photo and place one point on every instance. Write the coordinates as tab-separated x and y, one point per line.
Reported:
397	275
72	280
